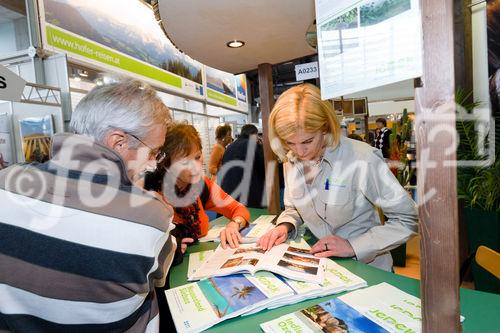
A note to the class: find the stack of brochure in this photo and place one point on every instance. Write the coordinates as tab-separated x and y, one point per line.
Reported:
379	308
337	279
198	306
285	259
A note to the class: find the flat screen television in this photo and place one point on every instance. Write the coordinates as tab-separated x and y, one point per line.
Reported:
367	44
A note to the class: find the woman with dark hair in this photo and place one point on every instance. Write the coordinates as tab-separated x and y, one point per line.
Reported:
179	178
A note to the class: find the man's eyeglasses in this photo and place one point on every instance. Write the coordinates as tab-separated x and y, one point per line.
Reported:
156	153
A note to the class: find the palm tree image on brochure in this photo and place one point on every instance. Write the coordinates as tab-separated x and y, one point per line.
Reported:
227	294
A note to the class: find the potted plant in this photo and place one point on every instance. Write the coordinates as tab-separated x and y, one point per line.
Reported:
478	189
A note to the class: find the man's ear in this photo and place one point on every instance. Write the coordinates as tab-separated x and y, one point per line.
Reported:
117	140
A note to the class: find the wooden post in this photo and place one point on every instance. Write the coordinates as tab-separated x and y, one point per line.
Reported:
437	183
266	104
463	80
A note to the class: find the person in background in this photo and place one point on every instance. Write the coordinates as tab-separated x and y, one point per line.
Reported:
382	139
223	137
179	178
245	184
2	162
332	184
355	136
90	249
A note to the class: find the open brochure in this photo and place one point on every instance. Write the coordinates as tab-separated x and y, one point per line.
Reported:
250	234
285	259
379	308
196	260
337	279
198	306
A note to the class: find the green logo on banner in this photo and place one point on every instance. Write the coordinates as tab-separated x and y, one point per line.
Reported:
217	96
93	51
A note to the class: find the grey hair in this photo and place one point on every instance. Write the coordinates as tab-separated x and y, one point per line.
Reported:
131	106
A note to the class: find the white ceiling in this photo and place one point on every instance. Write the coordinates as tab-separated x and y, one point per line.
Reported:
273	30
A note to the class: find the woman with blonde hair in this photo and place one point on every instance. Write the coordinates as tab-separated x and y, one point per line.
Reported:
333	184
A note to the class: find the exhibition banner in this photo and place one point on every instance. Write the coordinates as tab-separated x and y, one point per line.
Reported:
241	92
221	87
119	35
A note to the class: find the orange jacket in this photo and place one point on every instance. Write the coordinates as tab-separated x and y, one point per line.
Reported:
220	202
215	161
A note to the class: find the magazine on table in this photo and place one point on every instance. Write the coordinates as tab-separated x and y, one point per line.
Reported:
379	308
250	234
200	305
285	259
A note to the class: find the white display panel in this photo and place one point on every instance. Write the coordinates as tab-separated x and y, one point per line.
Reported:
200	122
366	44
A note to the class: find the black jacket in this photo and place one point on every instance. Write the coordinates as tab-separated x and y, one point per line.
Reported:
382	142
253	186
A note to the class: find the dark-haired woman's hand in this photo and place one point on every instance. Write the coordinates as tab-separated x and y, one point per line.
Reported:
230	235
184	244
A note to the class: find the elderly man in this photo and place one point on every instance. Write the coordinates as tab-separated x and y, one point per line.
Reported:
81	247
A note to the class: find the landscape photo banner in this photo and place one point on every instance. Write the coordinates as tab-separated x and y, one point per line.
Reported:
226	89
119	35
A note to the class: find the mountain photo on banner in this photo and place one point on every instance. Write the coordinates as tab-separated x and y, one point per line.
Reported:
220	81
127	26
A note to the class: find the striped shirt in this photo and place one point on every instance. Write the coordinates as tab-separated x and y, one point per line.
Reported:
81	248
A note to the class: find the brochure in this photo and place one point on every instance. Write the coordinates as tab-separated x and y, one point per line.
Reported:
196	259
337	279
285	259
250	234
333	316
198	306
379	308
36	134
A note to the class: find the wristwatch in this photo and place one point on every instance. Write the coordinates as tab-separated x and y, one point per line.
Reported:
241	222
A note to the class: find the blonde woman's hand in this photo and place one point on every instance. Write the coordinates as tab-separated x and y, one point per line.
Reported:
330	246
230	235
275	236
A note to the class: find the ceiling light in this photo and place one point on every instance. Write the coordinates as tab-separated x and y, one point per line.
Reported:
83	73
234	44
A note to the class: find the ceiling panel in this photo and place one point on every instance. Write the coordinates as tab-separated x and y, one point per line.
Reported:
273	30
